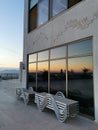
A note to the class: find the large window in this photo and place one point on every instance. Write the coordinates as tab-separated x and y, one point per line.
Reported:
68	68
40	11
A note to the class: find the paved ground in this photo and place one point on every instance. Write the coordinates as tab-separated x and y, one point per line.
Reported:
15	115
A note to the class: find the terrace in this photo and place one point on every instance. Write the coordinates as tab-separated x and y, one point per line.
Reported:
15	115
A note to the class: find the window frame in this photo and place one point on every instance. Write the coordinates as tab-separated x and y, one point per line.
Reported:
50	15
66	58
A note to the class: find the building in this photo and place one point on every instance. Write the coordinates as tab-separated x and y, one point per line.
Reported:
60	50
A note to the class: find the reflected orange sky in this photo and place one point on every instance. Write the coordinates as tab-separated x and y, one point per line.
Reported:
56	66
43	66
75	64
32	67
78	64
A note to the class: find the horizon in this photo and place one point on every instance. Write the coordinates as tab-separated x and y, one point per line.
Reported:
1	69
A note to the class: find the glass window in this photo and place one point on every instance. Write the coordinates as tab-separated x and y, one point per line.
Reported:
32	58
42	78
52	70
80	83
33	3
42	11
58	52
32	75
43	55
57	76
79	48
33	18
58	6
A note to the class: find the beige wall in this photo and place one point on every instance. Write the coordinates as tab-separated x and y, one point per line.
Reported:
78	22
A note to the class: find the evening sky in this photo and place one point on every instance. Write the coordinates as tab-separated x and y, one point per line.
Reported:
11	33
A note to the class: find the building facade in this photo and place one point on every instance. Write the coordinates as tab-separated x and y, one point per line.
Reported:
60	50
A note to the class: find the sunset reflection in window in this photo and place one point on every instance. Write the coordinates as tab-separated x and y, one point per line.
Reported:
68	66
78	64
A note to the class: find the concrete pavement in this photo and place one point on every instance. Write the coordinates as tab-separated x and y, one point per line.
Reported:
15	115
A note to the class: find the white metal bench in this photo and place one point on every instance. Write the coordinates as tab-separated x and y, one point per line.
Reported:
26	94
63	107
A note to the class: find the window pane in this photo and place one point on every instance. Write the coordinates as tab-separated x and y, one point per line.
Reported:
32	75
43	55
33	3
78	64
42	77
57	76
32	58
83	47
58	6
80	83
42	11
58	52
33	18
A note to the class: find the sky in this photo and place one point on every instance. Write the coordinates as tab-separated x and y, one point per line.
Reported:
11	33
